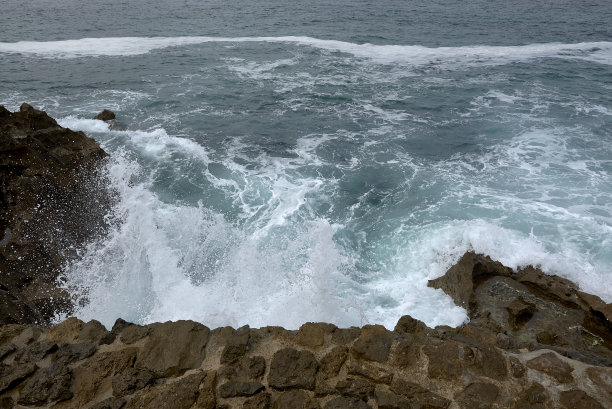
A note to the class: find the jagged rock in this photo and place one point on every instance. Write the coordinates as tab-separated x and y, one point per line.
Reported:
109	403
478	396
92	331
181	394
406	353
133	333
516	367
295	399
419	396
53	201
236	345
207	398
130	381
259	401
549	364
105	115
389	400
312	334
232	389
344	336
188	348
520	312
47	385
75	352
245	369
408	325
373	344
346	403
6	350
35	352
578	399
602	377
291	368
445	360
333	361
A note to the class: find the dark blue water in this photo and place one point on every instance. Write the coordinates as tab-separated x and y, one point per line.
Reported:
282	163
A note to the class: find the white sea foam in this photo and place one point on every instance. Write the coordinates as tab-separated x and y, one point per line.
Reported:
600	52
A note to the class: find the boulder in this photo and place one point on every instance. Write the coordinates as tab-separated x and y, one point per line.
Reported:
105	115
295	399
180	394
373	344
291	368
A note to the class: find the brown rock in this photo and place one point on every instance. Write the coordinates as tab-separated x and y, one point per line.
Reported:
47	385
373	344
181	394
356	387
295	399
409	325
35	352
406	354
368	370
516	367
109	403
552	366
344	336
66	332
207	398
577	399
445	360
130	381
11	376
419	396
312	334
478	396
388	400
105	115
92	331
342	402
75	352
601	377
520	312
236	345
259	401
333	361
245	369
234	389
188	348
291	368
535	397
133	333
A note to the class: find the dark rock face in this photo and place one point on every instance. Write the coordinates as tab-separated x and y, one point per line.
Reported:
53	200
105	115
291	368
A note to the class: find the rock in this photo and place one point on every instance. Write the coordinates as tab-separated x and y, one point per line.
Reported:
373	344
54	199
181	394
409	325
259	401
516	367
445	360
234	389
207	398
11	376
105	115
367	370
47	385
535	397
342	402
549	364
520	312
601	377
295	399
188	348
344	336
406	353
133	333
109	403
236	345
333	361
312	334
245	369
418	396
478	396
35	352
92	331
291	368
358	388
75	352
388	400
578	399
130	381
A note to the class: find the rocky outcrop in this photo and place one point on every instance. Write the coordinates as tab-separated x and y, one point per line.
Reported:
500	359
52	201
105	115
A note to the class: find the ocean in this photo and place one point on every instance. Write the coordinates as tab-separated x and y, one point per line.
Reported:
282	162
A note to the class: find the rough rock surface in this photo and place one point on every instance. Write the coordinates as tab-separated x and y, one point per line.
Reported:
533	341
52	201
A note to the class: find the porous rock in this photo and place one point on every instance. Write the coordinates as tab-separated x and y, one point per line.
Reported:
291	368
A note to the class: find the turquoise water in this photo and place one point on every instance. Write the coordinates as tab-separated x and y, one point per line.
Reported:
285	163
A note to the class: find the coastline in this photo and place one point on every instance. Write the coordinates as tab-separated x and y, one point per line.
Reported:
533	340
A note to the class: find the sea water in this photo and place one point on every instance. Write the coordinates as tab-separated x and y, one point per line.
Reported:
282	162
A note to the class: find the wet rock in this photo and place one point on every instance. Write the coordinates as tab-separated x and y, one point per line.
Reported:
312	335
333	361
259	401
406	353
342	402
236	345
234	389
105	115
133	333
549	364
295	399
517	369
92	331
245	369
578	399
388	400
344	336
207	398
373	344
601	377
291	368
520	312
188	350
130	381
181	394
445	360
418	396
35	352
409	325
11	376
75	352
478	396
6	350
47	385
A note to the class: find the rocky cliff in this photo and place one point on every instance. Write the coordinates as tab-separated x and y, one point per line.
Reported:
533	340
52	201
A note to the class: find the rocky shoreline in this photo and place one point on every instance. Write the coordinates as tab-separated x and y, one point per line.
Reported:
533	340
